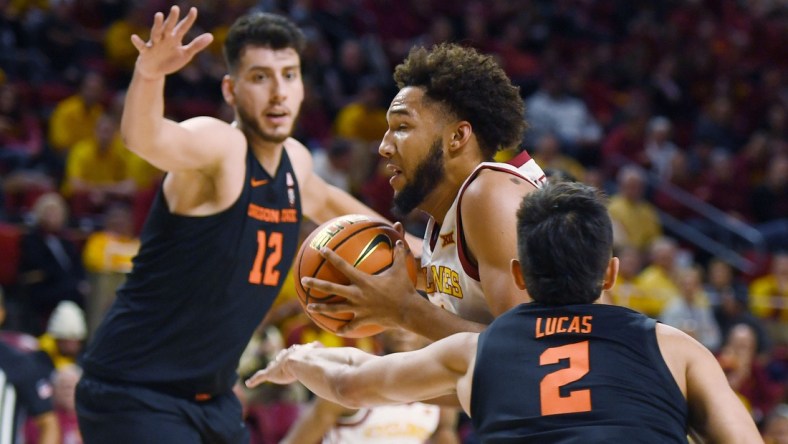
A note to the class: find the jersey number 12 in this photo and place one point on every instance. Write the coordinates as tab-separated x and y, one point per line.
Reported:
264	268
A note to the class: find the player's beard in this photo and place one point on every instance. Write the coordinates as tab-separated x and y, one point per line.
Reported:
251	127
428	173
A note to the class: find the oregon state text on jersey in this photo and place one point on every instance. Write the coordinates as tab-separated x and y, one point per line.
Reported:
202	284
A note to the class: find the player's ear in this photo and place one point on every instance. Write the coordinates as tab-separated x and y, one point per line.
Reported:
610	274
460	135
517	274
228	89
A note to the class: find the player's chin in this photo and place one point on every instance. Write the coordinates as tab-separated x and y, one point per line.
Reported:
397	183
277	135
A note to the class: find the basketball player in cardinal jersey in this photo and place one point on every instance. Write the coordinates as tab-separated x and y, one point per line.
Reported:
559	369
455	109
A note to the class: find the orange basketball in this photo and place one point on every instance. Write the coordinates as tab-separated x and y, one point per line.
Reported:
365	243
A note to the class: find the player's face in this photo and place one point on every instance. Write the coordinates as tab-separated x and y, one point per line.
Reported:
413	146
267	92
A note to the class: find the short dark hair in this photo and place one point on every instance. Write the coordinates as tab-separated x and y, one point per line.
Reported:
564	243
473	87
261	29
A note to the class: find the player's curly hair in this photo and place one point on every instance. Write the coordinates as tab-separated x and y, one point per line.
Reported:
261	29
473	87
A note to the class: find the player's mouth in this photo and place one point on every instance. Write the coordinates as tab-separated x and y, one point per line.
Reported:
277	116
396	174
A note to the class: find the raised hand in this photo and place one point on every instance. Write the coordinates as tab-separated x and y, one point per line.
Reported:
373	299
165	52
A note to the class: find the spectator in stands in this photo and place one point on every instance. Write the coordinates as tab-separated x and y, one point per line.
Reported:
729	299
98	171
775	427
335	162
344	78
552	109
657	280
22	375
770	203
626	291
364	118
60	38
691	312
754	159
659	147
747	375
715	124
107	257
625	142
65	335
667	93
75	117
769	298
720	187
50	267
548	154
635	217
681	179
120	53
21	133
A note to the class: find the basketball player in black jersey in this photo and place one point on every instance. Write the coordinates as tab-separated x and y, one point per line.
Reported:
217	244
559	369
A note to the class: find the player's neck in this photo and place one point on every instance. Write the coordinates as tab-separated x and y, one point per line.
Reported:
269	154
440	200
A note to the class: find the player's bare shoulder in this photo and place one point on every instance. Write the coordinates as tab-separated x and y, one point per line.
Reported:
492	188
678	349
215	183
213	132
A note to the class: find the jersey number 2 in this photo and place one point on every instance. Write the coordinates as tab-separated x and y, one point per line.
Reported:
269	276
550	388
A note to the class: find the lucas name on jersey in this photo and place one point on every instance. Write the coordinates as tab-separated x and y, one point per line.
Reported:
562	324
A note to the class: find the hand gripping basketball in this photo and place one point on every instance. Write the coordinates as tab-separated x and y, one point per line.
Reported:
345	272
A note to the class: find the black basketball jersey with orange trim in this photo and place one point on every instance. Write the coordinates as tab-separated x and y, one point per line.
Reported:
588	373
199	287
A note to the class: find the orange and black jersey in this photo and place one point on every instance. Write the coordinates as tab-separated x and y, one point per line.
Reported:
588	373
199	287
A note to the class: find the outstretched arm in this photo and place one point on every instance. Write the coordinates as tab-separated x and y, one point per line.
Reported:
166	144
354	379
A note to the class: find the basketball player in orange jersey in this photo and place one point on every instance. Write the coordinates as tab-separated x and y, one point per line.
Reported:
217	244
455	109
559	369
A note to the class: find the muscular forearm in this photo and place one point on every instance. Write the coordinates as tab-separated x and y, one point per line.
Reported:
325	371
143	112
422	317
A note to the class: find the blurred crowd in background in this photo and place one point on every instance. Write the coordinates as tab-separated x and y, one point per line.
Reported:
677	109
